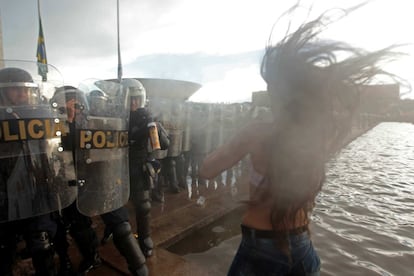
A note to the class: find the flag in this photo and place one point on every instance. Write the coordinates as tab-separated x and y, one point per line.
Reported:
41	52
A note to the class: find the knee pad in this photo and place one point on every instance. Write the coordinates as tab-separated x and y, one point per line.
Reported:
127	245
143	208
122	229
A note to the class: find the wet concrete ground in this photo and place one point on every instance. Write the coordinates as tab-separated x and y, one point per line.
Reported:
172	221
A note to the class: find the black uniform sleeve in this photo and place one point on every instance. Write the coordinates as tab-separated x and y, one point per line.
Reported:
138	129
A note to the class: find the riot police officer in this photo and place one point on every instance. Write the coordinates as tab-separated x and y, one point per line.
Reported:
24	187
70	219
115	220
140	183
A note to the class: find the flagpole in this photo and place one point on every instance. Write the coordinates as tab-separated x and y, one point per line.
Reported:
1	44
119	47
38	8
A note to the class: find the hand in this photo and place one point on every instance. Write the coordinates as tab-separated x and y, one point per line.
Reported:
72	107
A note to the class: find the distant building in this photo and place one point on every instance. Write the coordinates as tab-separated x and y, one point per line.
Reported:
260	98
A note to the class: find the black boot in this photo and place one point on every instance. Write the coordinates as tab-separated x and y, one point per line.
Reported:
127	245
143	217
146	245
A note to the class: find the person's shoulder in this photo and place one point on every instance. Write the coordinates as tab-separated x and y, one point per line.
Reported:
252	133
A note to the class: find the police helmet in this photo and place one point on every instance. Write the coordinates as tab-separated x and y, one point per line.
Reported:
66	93
98	102
134	88
15	80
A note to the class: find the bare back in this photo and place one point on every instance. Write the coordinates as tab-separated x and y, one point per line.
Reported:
253	140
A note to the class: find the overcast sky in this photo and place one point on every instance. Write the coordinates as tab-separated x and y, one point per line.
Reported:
217	43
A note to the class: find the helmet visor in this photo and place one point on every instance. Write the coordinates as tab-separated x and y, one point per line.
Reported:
18	94
136	97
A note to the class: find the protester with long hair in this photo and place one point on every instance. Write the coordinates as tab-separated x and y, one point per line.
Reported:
313	95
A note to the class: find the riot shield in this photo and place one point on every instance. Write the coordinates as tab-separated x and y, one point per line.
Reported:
202	125
36	170
173	122
102	149
171	115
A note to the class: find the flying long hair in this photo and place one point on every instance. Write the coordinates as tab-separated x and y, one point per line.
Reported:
313	86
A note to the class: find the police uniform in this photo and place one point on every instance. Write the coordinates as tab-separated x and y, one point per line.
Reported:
140	178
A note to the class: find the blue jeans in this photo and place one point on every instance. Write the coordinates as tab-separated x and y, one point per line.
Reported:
258	256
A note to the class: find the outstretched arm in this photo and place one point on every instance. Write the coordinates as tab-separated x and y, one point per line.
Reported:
226	156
